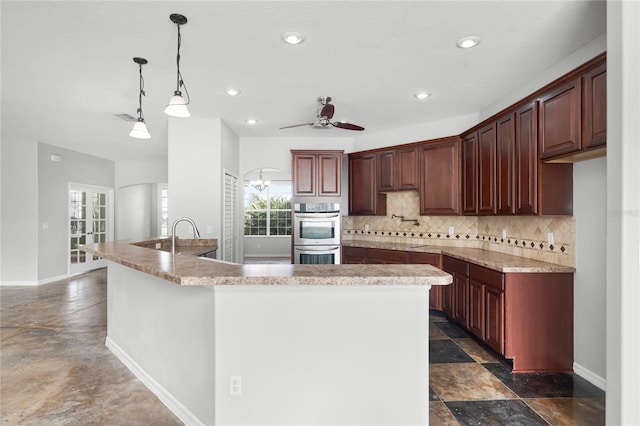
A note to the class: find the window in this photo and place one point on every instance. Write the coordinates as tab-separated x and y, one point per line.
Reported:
268	213
164	210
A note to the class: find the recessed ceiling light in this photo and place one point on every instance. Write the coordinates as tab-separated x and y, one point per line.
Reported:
468	42
251	121
232	92
292	37
421	95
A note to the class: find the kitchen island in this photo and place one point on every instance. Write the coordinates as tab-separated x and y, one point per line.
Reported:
223	343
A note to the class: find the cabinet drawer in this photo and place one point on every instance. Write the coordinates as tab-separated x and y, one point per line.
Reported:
487	276
386	256
428	258
450	264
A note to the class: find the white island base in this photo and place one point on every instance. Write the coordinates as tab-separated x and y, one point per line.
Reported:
306	354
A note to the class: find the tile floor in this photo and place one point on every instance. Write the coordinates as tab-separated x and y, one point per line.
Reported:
469	386
55	370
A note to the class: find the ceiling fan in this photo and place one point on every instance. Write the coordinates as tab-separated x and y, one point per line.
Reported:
325	114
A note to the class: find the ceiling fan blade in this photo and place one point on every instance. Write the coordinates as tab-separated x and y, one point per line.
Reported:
298	125
327	111
347	126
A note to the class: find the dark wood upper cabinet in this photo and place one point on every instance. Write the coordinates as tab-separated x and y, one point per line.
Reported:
526	146
470	174
407	168
505	164
364	198
316	173
304	174
387	171
487	170
594	133
329	174
560	120
440	177
398	169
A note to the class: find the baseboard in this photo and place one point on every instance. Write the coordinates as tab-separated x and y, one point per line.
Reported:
19	283
590	376
33	283
186	416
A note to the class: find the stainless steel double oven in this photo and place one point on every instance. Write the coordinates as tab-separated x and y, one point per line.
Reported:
316	233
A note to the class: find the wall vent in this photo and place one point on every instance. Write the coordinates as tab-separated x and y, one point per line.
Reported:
125	117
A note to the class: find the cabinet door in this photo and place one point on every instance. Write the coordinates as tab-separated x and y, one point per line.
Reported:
447	297
594	133
329	174
461	296
527	159
476	308
494	332
407	168
470	174
487	170
304	175
560	120
386	256
435	294
353	255
505	165
387	171
362	184
440	178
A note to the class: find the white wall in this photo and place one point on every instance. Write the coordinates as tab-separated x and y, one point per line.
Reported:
195	174
131	172
19	263
623	213
431	130
577	58
53	202
590	282
134	211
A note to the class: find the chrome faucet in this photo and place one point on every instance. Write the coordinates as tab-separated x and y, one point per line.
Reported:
173	231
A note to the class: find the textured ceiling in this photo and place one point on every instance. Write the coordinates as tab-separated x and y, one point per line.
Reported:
67	66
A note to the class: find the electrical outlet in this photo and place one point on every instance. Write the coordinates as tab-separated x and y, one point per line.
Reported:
235	385
366	227
504	233
209	229
451	230
550	238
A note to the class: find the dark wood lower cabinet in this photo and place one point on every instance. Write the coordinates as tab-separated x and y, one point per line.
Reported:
525	317
494	313
477	309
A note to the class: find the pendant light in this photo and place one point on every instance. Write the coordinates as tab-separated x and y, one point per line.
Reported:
140	130
177	106
260	184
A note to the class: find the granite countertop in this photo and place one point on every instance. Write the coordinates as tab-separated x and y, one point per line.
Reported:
185	269
190	246
497	261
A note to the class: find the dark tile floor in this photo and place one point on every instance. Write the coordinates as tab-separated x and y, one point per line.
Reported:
56	370
469	386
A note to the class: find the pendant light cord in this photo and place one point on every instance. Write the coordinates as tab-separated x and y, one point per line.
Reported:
141	94
180	81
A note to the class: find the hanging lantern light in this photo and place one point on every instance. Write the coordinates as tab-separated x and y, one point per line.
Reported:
177	106
140	130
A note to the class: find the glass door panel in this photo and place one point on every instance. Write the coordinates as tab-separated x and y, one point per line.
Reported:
89	222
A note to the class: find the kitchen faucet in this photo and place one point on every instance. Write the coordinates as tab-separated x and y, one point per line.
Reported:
173	231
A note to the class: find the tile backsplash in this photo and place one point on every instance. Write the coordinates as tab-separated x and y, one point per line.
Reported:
526	235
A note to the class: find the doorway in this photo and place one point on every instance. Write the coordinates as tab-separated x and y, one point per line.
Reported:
90	221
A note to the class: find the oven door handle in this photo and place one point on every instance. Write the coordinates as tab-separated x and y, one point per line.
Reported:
322	249
317	215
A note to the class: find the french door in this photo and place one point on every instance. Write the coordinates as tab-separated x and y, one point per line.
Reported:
90	220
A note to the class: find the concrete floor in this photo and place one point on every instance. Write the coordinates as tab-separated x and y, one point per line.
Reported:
54	366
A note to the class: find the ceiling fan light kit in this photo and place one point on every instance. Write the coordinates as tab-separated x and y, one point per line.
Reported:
177	106
325	114
139	130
